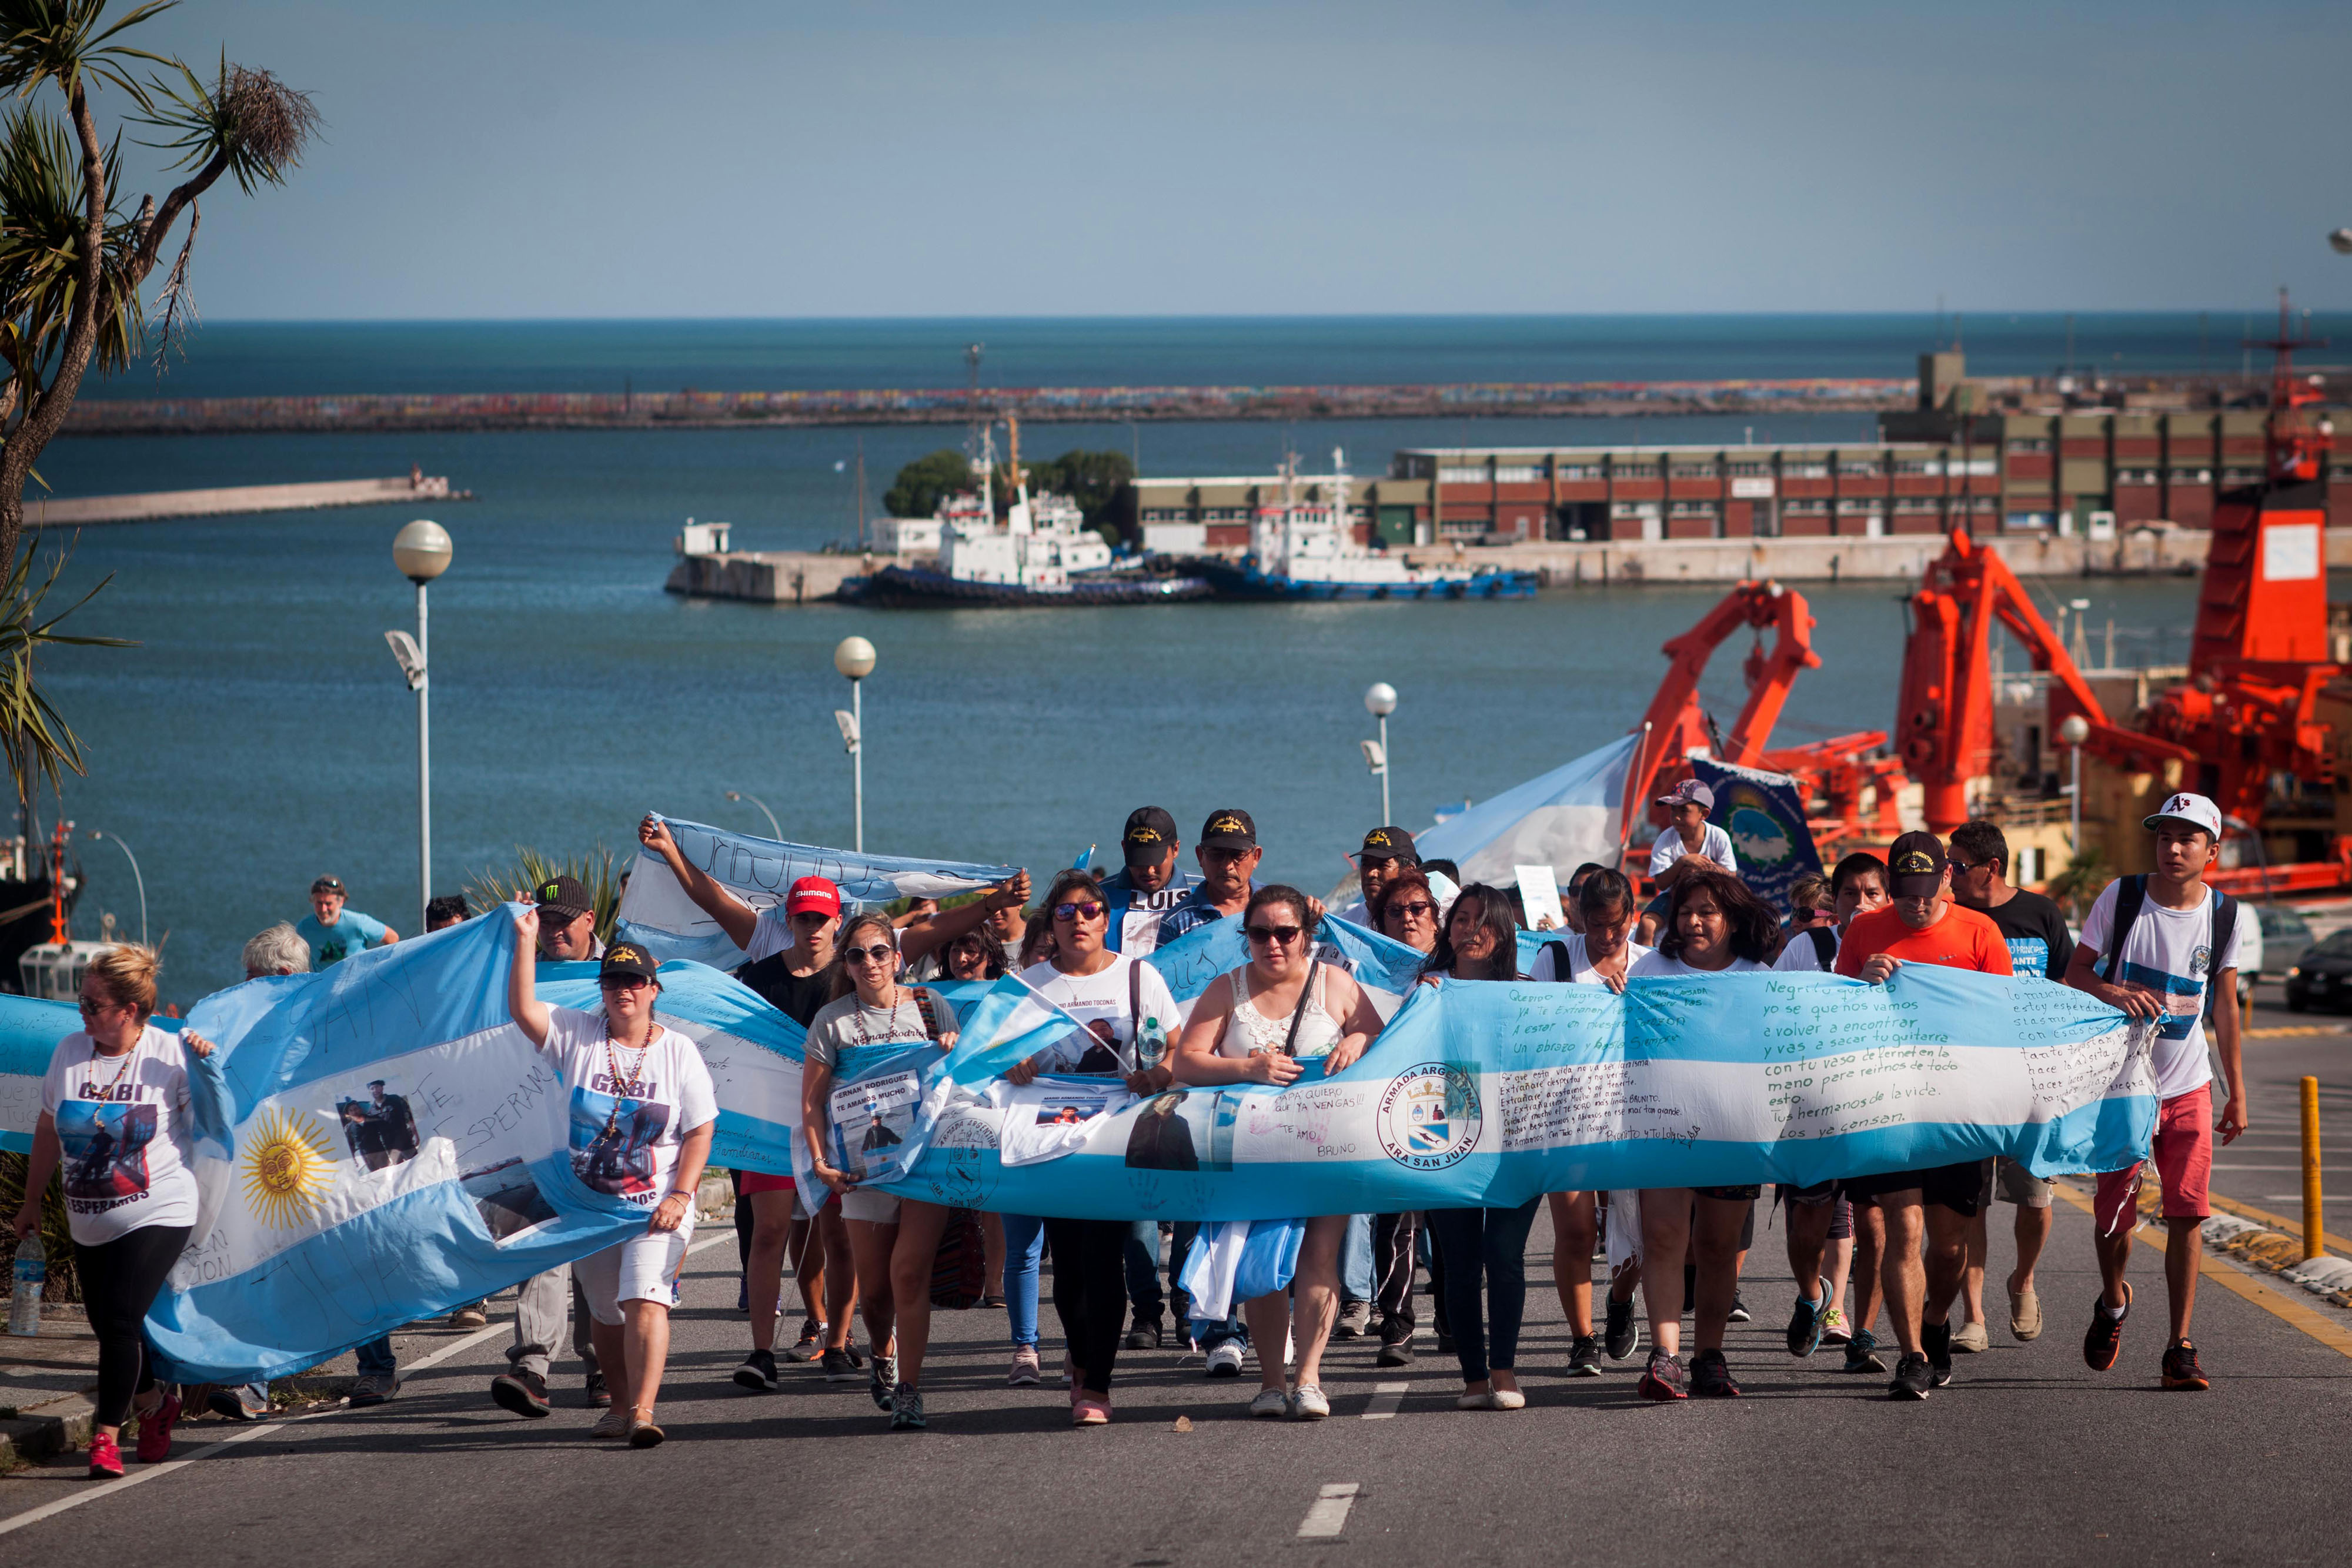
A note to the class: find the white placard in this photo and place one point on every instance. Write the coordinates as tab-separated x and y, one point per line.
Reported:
1539	892
2290	552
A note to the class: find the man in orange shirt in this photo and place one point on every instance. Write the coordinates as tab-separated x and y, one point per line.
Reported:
1921	926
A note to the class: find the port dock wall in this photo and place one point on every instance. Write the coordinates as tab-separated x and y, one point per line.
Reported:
75	511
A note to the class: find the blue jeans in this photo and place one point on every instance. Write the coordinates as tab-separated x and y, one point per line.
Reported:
1143	1265
1024	1244
1356	1259
1492	1242
376	1358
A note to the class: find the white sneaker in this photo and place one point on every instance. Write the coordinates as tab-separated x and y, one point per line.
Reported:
1225	1360
1308	1403
1272	1405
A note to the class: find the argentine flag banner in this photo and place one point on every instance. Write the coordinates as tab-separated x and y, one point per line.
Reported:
657	914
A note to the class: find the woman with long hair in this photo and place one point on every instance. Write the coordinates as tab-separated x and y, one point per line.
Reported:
1714	926
892	1241
1261	1024
1599	950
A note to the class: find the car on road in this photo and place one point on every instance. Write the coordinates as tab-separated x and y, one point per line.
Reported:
2323	975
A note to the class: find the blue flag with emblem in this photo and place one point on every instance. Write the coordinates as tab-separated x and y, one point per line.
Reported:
1765	816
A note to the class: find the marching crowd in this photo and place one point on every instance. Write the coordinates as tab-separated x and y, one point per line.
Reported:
2161	947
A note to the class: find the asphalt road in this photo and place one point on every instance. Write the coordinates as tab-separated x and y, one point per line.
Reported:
2029	1457
2265	1168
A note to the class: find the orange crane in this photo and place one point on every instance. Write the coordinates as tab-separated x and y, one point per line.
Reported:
1675	725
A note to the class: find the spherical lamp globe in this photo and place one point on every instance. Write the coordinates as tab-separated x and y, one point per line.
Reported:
421	550
1380	699
2074	729
853	658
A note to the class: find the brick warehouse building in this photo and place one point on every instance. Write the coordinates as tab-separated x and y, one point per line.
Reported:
2087	470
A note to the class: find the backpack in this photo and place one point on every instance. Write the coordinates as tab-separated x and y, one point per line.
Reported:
2131	896
1825	945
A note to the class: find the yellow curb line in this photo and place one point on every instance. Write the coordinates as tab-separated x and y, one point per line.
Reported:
2283	1030
2295	1314
2279	1222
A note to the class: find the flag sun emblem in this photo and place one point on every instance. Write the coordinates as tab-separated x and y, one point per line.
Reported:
288	1166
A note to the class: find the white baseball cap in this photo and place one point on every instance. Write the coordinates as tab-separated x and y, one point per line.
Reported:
2195	811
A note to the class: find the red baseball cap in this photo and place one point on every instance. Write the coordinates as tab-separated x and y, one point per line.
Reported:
812	893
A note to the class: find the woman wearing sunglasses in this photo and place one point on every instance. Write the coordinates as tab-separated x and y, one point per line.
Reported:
642	1113
1406	910
1259	1024
1130	1018
892	1240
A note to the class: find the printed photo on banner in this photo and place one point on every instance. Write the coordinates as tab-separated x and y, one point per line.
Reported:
379	1127
871	1120
506	1198
1162	1139
105	1144
1070	1109
613	1140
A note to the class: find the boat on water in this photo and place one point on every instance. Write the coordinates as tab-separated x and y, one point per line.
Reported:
1307	549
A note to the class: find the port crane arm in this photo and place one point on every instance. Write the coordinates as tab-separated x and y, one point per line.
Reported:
1674	724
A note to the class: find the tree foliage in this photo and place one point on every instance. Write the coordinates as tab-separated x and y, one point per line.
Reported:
924	482
485	890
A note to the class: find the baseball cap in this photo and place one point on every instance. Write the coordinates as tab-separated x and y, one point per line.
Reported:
1915	865
1389	845
627	958
812	893
566	897
2191	811
1149	835
1229	830
1689	790
328	884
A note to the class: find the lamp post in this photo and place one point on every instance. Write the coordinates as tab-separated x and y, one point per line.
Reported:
141	881
421	551
737	795
2074	730
855	658
1380	701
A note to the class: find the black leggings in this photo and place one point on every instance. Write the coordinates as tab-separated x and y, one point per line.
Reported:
1090	1292
120	1281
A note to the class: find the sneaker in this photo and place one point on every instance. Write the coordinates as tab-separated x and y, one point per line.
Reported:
1739	1313
642	1432
1307	1404
373	1389
613	1423
849	1348
1355	1318
232	1403
1025	1373
469	1317
811	1344
1584	1357
1271	1404
1806	1320
1395	1352
155	1430
883	1381
1936	1340
1226	1361
906	1409
2181	1371
1710	1377
1145	1334
1620	1336
105	1457
758	1371
838	1367
1971	1339
1662	1379
1833	1327
523	1392
1913	1377
2106	1334
599	1396
1861	1354
1444	1342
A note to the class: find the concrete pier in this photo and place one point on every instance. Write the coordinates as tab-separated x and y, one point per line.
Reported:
73	511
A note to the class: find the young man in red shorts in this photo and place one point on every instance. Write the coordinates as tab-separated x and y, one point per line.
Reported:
1921	926
2178	943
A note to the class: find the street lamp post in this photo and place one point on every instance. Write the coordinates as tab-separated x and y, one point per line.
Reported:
2074	730
737	795
855	658
141	881
421	551
1380	701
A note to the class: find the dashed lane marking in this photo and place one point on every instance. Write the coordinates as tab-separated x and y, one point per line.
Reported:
1386	1397
1328	1517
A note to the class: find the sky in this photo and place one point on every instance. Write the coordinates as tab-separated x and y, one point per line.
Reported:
711	157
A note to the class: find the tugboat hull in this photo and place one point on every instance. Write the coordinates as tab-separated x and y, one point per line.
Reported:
1246	581
907	588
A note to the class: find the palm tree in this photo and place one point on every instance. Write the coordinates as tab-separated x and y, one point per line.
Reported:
73	263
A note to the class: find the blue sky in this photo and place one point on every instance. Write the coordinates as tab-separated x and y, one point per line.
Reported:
510	158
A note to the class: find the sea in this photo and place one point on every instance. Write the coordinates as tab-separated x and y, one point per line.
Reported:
259	734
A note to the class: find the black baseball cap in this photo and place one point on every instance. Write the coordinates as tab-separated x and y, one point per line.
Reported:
1389	845
1151	834
1229	830
565	897
1916	866
627	958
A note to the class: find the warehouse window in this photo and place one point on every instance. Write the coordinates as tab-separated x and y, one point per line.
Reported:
1518	473
1455	475
1577	470
2029	443
1806	468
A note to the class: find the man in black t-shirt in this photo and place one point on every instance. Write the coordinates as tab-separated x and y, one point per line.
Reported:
2035	930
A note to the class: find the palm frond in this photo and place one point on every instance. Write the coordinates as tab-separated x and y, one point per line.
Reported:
257	123
65	41
507	885
40	745
41	228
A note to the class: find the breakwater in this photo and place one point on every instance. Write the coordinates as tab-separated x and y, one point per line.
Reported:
155	506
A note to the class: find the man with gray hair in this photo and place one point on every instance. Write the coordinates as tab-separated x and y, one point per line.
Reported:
280	950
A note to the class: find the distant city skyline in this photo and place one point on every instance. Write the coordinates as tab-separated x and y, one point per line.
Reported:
596	161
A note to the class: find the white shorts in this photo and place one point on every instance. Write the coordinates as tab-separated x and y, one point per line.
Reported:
644	1268
874	1207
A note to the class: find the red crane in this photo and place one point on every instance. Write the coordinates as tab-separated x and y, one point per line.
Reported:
1675	725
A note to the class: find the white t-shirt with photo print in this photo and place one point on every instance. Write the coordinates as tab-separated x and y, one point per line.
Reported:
627	1124
1100	1001
122	1124
2169	952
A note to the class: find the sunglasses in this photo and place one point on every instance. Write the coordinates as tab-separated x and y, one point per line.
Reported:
1418	907
1962	868
622	982
90	1009
878	953
1280	935
1087	911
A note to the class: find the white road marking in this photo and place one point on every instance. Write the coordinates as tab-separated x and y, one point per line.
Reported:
452	1348
149	1472
1328	1517
1386	1397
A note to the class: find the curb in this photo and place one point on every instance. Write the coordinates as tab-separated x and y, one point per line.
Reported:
42	1431
2259	1247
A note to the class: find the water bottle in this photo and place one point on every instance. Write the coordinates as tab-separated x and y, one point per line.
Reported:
32	1274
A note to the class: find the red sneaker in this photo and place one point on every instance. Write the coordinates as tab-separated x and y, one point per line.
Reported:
155	1431
105	1457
